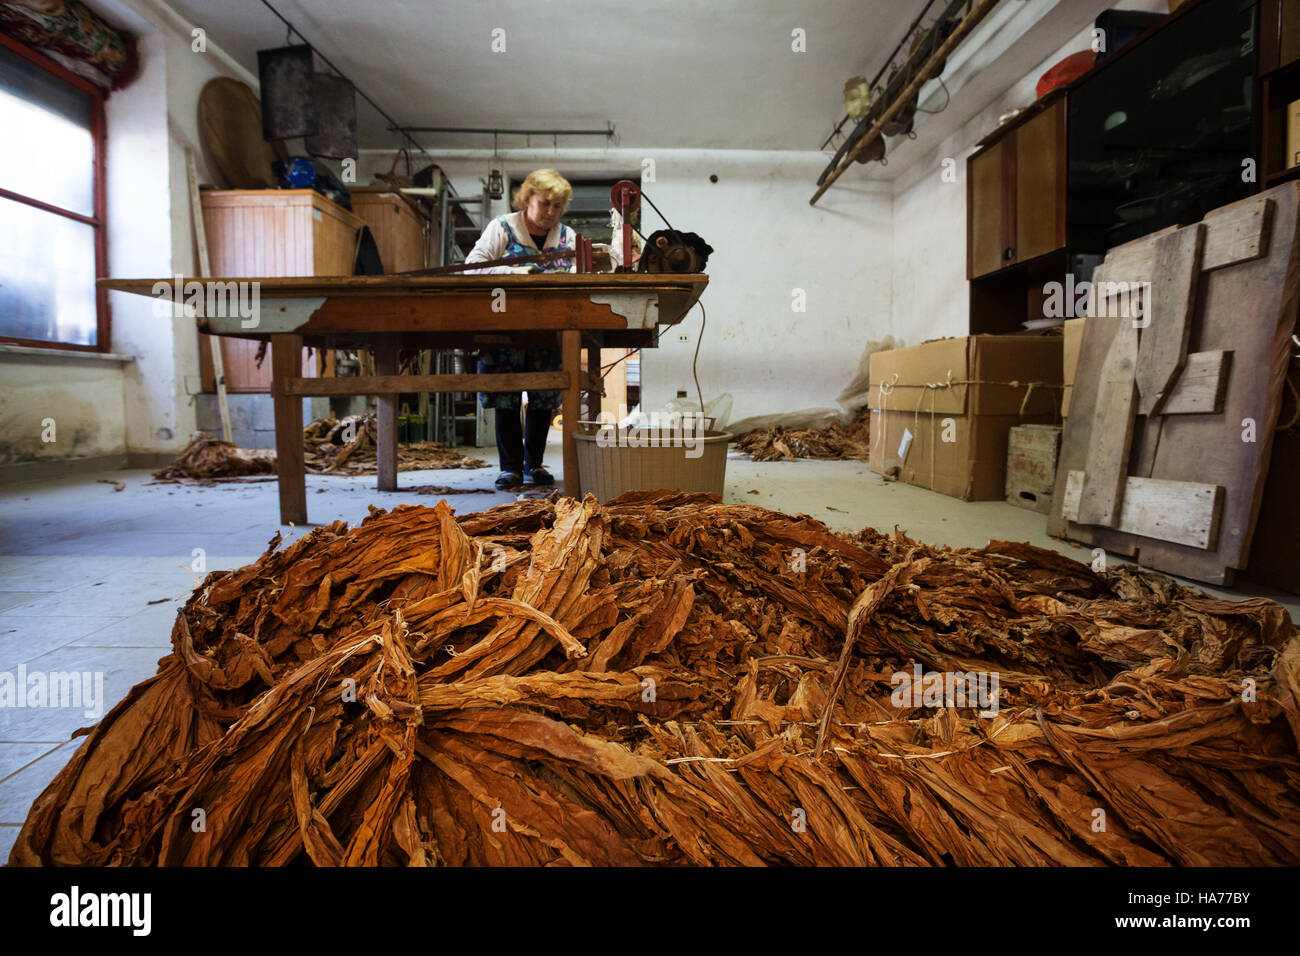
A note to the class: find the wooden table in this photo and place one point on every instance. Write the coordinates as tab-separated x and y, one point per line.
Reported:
388	313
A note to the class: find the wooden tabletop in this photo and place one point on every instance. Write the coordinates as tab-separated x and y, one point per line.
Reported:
281	287
615	309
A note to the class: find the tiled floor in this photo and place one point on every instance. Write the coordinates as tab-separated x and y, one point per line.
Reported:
91	578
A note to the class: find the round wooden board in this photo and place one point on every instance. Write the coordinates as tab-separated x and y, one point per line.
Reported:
230	131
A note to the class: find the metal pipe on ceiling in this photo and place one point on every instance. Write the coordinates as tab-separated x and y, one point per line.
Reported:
608	132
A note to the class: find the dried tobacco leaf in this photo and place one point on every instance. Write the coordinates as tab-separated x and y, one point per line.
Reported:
333	447
838	442
665	679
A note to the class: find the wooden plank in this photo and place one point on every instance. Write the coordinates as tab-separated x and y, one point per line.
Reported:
386	421
1237	233
1073	494
525	310
1166	324
1249	311
286	364
571	352
1180	512
392	384
1112	431
1098	334
1199	389
1134	261
1234	233
217	354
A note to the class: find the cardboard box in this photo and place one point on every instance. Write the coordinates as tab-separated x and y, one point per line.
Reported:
941	411
1072	339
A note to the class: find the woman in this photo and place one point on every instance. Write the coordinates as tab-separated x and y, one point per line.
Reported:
533	228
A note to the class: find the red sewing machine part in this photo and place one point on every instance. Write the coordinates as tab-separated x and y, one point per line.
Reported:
585	255
626	198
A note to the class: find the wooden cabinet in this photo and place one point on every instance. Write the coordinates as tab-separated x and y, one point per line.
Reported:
1279	34
1016	192
987	202
1279	87
270	232
1040	183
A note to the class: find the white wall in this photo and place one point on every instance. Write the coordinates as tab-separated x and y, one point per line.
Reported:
83	395
153	121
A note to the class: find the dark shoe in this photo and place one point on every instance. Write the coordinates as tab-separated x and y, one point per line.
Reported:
509	479
538	476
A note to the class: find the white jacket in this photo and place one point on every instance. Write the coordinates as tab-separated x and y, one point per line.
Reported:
508	236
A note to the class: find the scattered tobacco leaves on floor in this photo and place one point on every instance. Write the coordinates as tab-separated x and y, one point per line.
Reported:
667	680
333	447
206	458
444	490
837	442
348	446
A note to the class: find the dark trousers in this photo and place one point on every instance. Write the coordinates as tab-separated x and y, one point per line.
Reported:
521	447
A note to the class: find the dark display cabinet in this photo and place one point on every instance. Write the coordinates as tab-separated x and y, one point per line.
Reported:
1163	133
1165	129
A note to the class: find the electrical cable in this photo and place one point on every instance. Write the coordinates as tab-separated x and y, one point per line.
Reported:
704	317
656	209
947	98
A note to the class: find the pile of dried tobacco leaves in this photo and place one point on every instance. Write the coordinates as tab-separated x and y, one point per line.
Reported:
333	447
840	442
644	683
205	457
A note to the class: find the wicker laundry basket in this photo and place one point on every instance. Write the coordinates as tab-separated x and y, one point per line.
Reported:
613	461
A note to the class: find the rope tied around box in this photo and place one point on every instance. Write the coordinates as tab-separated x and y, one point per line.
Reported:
885	389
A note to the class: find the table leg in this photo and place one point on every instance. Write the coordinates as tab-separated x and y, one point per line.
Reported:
386	425
286	364
571	350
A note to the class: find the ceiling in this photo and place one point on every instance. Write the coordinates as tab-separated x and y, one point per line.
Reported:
667	73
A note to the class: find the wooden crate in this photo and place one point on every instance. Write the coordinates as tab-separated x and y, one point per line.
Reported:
271	232
1031	466
400	231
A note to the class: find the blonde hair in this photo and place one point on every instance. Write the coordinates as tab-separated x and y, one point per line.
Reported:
546	181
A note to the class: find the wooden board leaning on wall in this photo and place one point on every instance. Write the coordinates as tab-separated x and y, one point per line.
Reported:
1178	389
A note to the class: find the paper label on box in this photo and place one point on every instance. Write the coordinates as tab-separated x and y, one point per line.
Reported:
904	445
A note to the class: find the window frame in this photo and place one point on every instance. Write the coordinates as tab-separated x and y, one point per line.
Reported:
98	221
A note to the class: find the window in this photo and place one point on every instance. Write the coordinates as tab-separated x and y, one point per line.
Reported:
52	245
588	211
